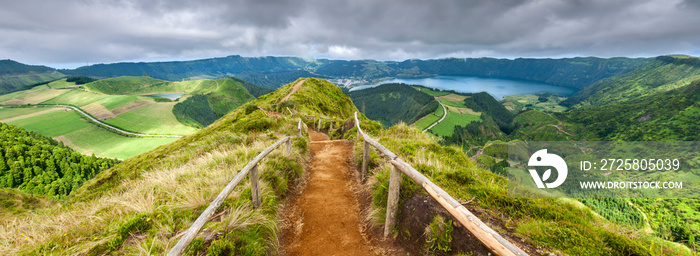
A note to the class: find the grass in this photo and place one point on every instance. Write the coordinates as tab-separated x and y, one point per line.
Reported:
60	84
517	103
447	126
18	82
429	119
76	97
14	112
552	225
115	101
85	137
156	118
137	206
53	124
431	92
108	144
35	95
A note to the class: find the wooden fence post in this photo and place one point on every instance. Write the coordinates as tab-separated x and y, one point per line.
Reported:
254	190
288	148
331	126
392	204
319	124
365	160
300	127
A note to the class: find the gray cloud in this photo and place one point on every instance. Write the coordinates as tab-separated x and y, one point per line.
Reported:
80	31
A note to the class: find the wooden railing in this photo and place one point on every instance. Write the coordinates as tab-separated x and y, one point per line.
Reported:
318	119
252	168
492	240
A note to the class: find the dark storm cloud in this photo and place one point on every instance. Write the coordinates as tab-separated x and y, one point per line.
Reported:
80	31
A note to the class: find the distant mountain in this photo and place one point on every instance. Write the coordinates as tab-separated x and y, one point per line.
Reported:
205	68
273	72
393	103
15	76
662	74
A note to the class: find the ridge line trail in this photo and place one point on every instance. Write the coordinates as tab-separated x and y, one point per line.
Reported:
325	216
294	89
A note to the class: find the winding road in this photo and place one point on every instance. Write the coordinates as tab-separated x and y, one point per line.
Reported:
98	121
441	119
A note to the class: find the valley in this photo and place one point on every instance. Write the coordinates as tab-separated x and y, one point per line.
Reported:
456	139
118	117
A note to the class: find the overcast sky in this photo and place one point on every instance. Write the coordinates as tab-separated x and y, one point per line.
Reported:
77	32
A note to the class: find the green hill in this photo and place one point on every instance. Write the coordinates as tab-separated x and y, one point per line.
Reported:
393	103
15	76
670	115
141	204
662	74
272	72
124	85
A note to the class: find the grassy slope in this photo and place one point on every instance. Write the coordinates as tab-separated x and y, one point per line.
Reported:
551	224
156	118
394	103
663	74
84	135
158	194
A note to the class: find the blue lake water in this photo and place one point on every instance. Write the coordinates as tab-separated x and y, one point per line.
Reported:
498	88
170	96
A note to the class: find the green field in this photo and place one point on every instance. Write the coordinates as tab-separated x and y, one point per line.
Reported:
447	126
429	119
517	103
84	136
115	101
35	95
76	97
14	112
60	84
431	92
156	118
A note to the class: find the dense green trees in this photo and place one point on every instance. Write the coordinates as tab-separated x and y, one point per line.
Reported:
391	103
80	79
40	165
195	111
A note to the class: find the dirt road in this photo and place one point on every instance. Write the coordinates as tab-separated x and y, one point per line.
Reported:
294	89
325	218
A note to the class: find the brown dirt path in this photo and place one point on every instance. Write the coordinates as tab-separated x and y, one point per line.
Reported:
325	218
294	89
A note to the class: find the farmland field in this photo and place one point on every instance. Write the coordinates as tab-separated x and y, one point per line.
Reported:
447	126
155	118
429	119
35	95
83	136
76	97
60	84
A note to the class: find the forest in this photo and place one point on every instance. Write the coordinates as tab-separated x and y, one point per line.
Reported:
391	103
40	165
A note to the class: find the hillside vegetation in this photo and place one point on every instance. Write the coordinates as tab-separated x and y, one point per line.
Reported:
39	165
662	74
393	103
15	76
274	71
141	204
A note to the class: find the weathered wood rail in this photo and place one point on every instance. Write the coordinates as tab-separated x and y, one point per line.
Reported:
490	238
318	119
252	168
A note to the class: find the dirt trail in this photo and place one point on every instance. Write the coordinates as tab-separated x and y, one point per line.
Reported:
325	218
294	89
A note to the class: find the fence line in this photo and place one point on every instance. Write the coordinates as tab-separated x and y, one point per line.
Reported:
252	168
490	238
